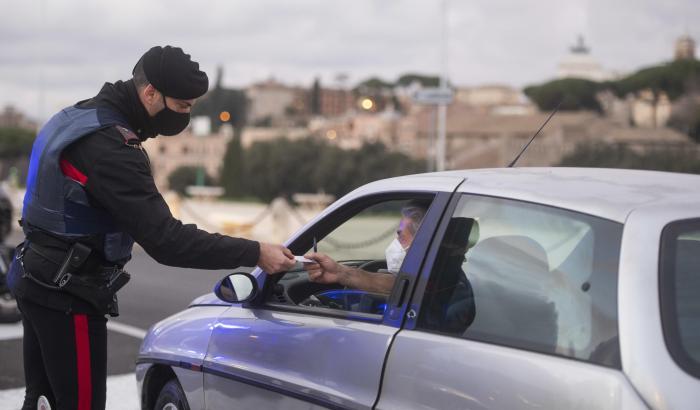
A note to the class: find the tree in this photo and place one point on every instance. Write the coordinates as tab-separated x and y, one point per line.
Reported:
235	102
232	168
604	155
316	97
283	167
674	79
183	177
373	84
679	80
15	149
220	99
573	93
424	80
15	142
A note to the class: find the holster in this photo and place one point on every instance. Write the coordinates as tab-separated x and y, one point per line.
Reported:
97	286
98	290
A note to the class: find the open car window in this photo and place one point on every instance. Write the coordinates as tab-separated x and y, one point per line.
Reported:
359	243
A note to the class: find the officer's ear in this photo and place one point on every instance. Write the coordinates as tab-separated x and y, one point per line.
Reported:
150	94
151	99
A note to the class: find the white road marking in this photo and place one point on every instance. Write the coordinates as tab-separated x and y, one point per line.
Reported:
11	331
121	394
14	331
125	329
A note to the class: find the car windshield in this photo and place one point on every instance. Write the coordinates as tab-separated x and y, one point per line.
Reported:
680	290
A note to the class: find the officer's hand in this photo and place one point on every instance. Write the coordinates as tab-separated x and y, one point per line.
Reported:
275	258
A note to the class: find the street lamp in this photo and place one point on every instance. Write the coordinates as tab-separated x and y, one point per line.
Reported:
442	108
367	104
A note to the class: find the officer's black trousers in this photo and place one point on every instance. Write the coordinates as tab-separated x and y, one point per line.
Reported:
65	358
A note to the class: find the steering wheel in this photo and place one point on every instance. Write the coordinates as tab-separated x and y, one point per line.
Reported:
373	265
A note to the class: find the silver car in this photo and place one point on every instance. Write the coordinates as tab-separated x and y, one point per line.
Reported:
551	288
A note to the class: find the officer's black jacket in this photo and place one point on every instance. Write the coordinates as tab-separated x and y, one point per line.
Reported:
119	180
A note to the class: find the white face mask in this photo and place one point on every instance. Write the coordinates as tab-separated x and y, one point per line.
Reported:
394	256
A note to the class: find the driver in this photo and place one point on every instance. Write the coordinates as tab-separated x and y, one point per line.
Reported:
327	271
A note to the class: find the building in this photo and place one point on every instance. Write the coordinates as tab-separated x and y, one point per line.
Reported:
580	64
273	103
479	139
197	147
488	95
495	98
651	110
354	129
685	48
186	149
251	135
646	108
335	102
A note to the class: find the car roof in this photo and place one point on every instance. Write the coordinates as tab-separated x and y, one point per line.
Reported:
607	193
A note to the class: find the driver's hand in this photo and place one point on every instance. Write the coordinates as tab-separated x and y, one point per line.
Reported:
275	258
325	270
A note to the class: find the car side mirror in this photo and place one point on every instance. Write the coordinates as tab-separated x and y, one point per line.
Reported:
236	288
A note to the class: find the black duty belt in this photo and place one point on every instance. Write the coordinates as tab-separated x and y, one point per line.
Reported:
46	244
96	284
48	240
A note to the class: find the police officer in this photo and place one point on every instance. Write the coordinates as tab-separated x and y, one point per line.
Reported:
90	195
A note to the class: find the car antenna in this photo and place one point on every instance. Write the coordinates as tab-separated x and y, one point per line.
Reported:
534	136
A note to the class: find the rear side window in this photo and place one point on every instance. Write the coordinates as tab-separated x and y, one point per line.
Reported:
680	292
527	276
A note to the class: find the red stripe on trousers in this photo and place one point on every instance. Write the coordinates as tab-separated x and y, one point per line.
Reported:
82	349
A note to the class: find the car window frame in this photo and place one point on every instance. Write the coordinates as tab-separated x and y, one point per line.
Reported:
417	298
413	260
667	293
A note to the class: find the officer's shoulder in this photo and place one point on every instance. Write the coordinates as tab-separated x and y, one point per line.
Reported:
130	137
114	136
115	141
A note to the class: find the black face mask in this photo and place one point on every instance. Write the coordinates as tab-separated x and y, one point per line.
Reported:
168	122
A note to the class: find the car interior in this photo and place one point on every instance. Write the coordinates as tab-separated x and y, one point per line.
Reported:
358	239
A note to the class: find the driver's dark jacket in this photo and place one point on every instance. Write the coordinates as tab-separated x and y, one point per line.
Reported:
119	180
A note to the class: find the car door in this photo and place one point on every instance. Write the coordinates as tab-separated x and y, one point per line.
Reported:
516	308
282	353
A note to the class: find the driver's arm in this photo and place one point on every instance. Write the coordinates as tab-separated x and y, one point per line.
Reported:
368	281
326	270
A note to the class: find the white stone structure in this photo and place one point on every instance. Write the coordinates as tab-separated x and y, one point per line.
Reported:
580	64
685	48
489	95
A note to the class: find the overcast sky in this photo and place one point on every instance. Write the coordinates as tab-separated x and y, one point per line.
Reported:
69	48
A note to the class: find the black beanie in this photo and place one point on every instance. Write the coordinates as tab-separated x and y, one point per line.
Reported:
173	73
